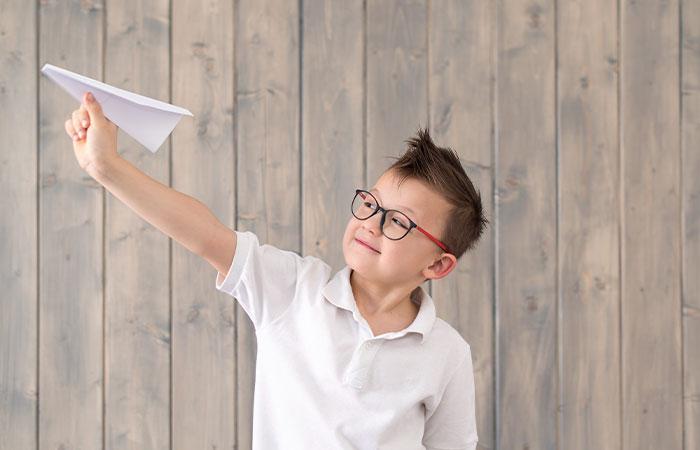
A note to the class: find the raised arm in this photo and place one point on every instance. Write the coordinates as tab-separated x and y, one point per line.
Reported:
180	216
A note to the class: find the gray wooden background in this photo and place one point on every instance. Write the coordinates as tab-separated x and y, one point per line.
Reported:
578	120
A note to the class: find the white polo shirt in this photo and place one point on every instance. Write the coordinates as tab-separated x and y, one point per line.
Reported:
323	381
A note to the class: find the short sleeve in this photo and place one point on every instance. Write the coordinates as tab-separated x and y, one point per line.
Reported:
452	423
262	279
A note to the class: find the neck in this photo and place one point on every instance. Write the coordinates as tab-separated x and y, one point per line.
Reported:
376	299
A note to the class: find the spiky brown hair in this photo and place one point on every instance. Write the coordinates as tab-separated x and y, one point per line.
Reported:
440	168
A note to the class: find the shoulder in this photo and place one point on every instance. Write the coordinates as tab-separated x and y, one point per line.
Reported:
444	335
313	273
306	266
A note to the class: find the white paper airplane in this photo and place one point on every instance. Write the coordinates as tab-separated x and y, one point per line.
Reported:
147	120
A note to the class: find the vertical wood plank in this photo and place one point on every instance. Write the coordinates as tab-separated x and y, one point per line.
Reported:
460	114
70	241
690	168
332	122
203	347
589	225
268	103
137	302
526	202
18	226
651	310
397	92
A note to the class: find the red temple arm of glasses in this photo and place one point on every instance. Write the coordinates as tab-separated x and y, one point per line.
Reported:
433	238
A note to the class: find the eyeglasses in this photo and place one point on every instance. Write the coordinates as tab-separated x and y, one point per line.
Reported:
365	205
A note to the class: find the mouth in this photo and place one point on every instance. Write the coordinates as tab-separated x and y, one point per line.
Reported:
367	245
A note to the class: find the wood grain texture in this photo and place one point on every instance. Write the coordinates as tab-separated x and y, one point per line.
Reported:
18	226
203	161
396	82
526	201
137	300
332	134
690	238
652	377
71	272
579	122
397	94
268	165
589	223
460	75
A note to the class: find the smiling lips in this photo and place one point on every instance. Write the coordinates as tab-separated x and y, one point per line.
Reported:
367	245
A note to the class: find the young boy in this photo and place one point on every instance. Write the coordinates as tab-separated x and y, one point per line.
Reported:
351	360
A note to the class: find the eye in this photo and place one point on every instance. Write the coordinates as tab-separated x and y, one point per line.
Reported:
400	223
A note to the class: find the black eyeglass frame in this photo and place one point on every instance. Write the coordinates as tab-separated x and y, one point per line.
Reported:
383	218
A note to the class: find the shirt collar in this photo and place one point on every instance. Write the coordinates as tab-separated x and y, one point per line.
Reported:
338	291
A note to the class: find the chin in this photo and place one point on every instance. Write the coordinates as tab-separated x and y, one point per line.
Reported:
355	261
367	268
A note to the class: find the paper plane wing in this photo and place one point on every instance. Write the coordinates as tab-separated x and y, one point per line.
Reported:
145	119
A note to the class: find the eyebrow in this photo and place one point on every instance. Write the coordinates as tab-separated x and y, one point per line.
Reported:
400	206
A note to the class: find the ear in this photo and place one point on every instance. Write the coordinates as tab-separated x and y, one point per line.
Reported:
441	267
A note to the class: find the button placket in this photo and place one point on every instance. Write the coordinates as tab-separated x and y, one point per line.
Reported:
358	370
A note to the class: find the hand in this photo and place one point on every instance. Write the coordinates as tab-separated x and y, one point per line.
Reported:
94	136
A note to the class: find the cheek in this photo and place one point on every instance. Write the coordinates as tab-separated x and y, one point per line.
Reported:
349	232
404	252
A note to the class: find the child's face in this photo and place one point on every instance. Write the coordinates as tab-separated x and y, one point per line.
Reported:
409	260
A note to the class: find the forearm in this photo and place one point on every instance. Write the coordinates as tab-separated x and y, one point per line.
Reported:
180	216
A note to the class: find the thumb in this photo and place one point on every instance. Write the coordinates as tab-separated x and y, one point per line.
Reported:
93	108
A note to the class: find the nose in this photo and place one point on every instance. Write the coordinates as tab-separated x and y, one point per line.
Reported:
373	224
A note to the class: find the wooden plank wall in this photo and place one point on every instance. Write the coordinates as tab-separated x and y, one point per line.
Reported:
578	121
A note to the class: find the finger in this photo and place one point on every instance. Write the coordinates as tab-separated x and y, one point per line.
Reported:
93	107
70	130
84	117
75	117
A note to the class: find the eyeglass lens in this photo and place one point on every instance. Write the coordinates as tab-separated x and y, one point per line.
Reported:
396	223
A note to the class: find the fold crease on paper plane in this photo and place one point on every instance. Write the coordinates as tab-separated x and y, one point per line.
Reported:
145	119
